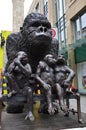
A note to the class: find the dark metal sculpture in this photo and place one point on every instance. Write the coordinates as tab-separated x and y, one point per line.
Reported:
18	74
54	72
63	79
45	77
34	40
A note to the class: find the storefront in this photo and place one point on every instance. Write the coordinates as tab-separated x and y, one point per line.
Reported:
81	73
80	59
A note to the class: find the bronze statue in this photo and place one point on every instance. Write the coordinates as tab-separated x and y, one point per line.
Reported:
45	78
18	74
34	38
63	79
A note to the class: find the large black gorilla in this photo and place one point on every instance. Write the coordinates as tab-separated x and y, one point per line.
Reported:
34	38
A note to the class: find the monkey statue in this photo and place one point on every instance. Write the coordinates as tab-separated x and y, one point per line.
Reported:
63	79
18	74
45	77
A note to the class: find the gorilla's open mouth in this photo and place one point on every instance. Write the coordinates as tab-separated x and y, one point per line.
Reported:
43	38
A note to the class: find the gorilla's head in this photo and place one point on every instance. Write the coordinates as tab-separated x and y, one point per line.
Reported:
37	30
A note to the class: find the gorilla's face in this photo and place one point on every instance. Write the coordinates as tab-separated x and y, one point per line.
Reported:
41	31
38	31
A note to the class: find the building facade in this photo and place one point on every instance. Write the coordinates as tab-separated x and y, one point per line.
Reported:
18	14
44	6
75	11
69	17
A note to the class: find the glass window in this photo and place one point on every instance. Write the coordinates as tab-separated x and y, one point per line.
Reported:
61	23
60	8
56	9
81	72
77	25
37	8
83	22
62	34
46	8
80	27
78	32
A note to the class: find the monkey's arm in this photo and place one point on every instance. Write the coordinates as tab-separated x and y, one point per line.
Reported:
25	69
71	74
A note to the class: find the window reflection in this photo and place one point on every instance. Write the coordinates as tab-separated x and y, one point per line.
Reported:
78	35
80	27
46	8
83	22
61	23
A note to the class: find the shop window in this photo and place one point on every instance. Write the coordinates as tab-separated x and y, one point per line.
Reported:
81	73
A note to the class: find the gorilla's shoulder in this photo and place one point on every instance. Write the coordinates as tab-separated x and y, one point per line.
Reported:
14	36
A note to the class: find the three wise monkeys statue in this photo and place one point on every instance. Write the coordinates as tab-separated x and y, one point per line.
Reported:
25	50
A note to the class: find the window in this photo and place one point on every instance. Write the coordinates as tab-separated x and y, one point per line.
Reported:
56	10
61	23
37	8
78	31
46	8
81	72
80	27
83	23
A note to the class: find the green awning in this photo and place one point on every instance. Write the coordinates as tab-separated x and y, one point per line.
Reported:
80	54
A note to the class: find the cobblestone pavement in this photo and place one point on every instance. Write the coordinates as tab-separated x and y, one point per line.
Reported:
42	121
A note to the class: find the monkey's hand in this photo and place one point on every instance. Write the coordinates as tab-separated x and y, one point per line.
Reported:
66	83
17	62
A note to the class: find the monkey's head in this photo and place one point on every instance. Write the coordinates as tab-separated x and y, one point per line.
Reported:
37	31
23	57
61	60
50	60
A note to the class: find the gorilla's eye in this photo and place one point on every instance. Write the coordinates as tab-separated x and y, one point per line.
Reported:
35	24
47	25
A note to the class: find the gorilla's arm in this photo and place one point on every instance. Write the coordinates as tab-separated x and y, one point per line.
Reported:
12	47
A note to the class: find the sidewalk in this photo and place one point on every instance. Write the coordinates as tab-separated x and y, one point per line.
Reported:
83	102
45	121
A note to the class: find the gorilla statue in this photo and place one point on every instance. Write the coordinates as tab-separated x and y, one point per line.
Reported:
34	38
